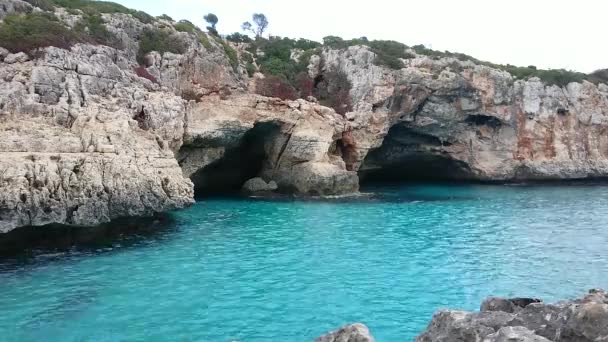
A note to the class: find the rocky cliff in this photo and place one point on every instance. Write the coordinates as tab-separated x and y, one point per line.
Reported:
90	132
453	119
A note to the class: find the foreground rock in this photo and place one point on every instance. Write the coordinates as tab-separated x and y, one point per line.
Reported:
581	320
355	332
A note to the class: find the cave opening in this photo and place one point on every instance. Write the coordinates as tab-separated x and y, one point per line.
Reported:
245	161
409	156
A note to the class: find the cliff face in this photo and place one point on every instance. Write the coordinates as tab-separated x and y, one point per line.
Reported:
457	120
88	134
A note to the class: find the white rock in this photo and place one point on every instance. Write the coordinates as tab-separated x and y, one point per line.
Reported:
19	57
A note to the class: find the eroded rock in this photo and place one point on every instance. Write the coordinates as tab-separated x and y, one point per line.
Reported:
258	184
582	320
355	332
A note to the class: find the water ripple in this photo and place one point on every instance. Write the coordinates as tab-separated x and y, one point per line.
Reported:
253	270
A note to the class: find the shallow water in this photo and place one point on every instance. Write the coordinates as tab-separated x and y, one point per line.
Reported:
251	270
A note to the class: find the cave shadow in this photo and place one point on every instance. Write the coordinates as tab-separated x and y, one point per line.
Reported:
239	164
27	245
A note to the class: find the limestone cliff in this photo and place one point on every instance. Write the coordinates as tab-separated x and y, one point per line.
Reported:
90	133
457	120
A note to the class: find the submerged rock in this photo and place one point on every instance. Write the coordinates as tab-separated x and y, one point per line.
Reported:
581	320
355	332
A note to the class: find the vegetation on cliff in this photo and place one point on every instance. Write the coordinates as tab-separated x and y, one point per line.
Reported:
25	33
284	61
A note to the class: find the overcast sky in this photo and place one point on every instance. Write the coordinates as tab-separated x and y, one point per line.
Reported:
547	33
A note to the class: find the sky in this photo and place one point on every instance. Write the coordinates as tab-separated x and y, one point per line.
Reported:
565	34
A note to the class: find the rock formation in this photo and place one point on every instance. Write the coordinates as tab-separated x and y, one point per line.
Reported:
92	133
581	320
257	185
458	120
355	332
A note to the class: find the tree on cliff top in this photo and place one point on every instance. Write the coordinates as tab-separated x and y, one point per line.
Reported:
212	20
261	23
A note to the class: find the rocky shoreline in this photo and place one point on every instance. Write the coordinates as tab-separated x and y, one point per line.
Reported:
89	134
508	320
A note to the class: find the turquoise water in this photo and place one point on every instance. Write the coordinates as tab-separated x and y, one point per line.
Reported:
250	270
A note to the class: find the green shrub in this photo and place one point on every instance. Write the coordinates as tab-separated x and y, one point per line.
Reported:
185	26
388	47
94	27
231	53
277	60
160	41
388	61
238	38
306	44
202	37
277	67
165	17
250	69
24	33
143	17
334	42
92	7
599	76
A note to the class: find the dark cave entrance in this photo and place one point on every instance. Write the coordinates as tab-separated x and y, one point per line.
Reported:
245	161
410	156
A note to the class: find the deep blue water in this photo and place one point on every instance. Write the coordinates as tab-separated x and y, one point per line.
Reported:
251	270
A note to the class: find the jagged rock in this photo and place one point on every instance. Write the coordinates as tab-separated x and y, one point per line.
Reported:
292	142
19	57
257	184
582	320
506	305
514	334
83	141
14	6
3	53
355	332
